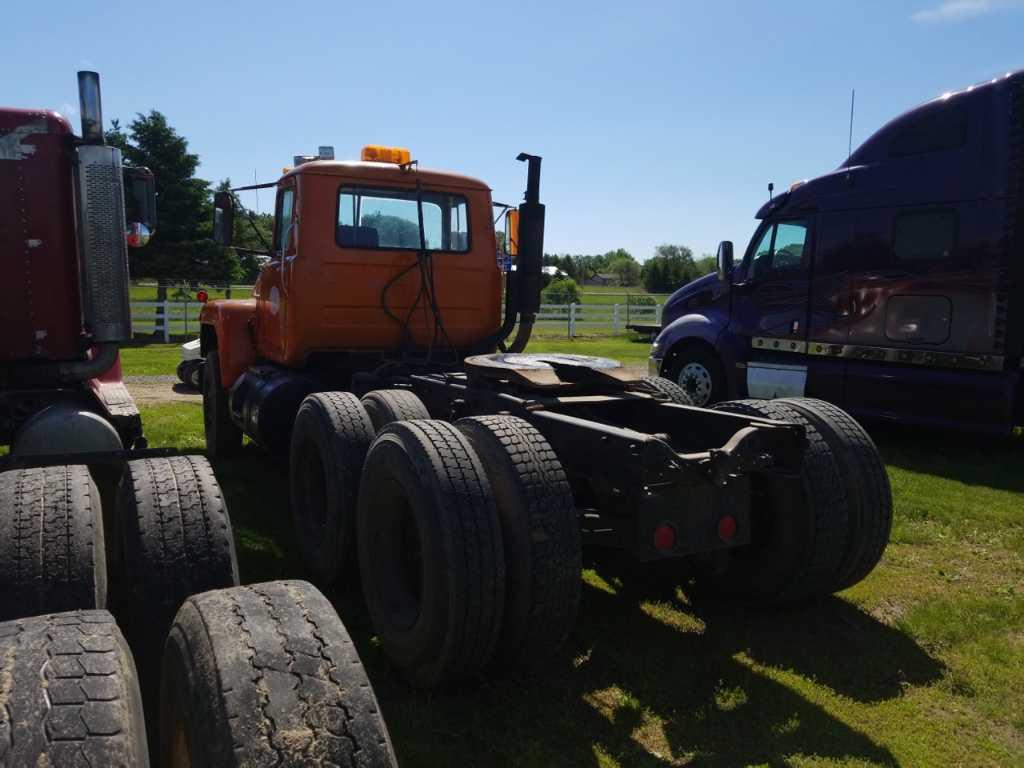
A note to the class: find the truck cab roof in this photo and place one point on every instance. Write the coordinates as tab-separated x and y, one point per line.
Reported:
386	173
954	146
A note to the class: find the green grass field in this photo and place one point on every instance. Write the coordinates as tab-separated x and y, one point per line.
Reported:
922	664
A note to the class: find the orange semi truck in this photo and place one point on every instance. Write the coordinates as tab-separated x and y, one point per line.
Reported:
462	477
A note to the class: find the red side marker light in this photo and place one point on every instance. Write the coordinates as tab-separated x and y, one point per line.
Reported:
665	537
202	297
726	528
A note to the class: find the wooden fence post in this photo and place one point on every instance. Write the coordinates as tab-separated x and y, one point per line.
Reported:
572	320
167	321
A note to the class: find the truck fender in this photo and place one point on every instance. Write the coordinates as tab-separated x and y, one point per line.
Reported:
227	327
693	326
65	428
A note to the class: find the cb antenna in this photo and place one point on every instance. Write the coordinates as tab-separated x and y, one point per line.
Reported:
849	145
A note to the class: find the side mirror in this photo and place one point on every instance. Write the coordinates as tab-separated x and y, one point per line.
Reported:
141	205
512	232
223	218
725	261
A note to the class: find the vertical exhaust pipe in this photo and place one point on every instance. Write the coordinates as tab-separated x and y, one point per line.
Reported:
90	107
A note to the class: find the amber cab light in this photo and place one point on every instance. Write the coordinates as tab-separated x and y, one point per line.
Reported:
377	153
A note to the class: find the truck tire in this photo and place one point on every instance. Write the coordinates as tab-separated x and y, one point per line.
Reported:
540	535
177	541
430	552
330	438
699	372
794	553
223	437
868	493
267	675
388	405
671	390
70	693
182	371
52	550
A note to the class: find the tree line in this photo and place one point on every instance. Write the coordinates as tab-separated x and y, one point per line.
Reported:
670	267
183	248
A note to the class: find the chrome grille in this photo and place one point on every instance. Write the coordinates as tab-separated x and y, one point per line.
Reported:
104	253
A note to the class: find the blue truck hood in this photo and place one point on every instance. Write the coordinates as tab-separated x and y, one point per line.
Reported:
677	302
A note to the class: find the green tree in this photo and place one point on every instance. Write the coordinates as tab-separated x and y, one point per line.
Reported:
181	246
621	263
671	267
561	291
393	230
707	264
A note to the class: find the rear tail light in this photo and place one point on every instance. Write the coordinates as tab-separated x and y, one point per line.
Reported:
665	537
202	297
727	528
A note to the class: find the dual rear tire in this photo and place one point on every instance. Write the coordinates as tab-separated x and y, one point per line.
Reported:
465	535
836	535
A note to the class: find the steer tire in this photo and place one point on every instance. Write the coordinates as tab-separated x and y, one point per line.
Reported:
540	535
182	371
177	541
868	493
707	388
795	552
267	675
223	437
671	390
52	550
388	405
430	552
330	438
70	693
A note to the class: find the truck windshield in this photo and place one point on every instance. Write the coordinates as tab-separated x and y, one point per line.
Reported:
387	219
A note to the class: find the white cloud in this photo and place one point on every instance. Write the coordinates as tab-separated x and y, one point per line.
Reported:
950	11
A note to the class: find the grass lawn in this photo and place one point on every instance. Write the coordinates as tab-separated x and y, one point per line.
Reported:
921	664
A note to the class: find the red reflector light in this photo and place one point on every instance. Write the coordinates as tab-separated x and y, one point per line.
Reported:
665	537
202	297
727	528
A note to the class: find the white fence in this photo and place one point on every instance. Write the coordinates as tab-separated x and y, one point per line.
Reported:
181	318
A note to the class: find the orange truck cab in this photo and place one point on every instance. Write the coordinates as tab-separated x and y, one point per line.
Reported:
372	262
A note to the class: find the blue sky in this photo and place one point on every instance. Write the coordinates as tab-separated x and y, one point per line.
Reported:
658	121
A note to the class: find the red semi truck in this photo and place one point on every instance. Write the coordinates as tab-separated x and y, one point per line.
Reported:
90	519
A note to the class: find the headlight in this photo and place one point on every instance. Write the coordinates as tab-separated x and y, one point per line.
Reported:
654	349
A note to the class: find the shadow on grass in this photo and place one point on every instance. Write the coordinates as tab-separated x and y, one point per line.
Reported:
650	676
994	462
647	692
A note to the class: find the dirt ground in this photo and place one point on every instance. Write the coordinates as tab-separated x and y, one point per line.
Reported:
151	390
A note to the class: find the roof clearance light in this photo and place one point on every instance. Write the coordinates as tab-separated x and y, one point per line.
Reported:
376	153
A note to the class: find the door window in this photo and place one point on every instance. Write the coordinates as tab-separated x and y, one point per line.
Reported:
780	250
285	207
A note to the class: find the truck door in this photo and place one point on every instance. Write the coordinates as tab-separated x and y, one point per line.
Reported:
272	305
770	308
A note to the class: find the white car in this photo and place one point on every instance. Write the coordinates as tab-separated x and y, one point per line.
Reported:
190	369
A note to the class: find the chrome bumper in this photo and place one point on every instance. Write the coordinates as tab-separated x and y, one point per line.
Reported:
654	366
